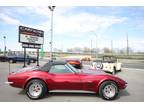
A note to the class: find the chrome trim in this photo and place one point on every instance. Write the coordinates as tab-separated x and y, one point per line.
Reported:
9	82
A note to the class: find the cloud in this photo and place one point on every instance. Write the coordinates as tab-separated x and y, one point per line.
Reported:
84	22
8	20
75	28
68	21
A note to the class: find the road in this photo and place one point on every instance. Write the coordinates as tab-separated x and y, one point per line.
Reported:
133	93
133	65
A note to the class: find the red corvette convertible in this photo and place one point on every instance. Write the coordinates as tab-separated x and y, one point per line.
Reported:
59	75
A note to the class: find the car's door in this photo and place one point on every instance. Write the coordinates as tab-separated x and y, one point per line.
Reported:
89	81
19	58
63	78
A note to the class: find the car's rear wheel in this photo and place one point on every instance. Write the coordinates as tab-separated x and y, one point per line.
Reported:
36	89
108	90
32	61
11	61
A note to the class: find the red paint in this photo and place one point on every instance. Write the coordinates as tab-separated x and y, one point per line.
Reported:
69	81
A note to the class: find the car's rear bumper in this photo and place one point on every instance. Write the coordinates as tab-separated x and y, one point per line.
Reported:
9	82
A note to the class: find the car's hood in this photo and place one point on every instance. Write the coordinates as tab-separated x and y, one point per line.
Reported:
93	71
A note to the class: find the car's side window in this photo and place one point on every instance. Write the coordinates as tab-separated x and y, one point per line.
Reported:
58	69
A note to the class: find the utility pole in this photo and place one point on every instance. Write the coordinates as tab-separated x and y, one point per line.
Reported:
91	47
4	45
127	44
51	42
96	52
112	47
96	47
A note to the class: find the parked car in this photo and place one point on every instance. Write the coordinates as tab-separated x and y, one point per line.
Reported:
13	58
60	75
75	62
108	64
20	58
3	58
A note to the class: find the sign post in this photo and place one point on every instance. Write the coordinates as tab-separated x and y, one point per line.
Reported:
31	38
24	57
37	57
42	52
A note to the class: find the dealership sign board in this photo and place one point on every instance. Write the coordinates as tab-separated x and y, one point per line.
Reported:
35	46
29	36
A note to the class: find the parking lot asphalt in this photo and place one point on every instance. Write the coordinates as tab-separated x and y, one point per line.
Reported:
129	64
133	92
133	65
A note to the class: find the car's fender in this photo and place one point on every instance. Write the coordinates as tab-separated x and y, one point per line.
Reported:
33	77
106	79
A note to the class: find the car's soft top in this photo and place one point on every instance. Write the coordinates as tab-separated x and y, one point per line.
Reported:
48	65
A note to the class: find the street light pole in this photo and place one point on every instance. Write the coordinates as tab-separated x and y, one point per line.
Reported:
127	45
91	48
96	52
96	47
4	45
51	42
112	47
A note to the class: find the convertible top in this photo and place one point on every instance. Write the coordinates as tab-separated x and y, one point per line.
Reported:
50	63
56	62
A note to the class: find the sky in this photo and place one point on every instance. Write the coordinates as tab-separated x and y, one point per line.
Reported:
76	26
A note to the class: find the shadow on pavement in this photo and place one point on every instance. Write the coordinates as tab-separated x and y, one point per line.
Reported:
22	92
75	94
123	93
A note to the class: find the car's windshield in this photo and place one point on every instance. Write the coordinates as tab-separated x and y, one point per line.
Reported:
44	67
73	68
109	59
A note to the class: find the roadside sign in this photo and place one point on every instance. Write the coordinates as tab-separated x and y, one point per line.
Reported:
35	46
31	38
30	35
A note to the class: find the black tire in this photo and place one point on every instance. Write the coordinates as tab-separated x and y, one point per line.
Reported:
34	61
102	89
11	61
114	71
120	70
43	89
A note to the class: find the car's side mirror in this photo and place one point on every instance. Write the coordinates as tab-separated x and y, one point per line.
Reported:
76	73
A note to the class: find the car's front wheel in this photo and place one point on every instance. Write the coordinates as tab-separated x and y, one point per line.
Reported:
108	90
36	89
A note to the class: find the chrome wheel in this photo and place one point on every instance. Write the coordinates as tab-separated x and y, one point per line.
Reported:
109	91
35	89
11	61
